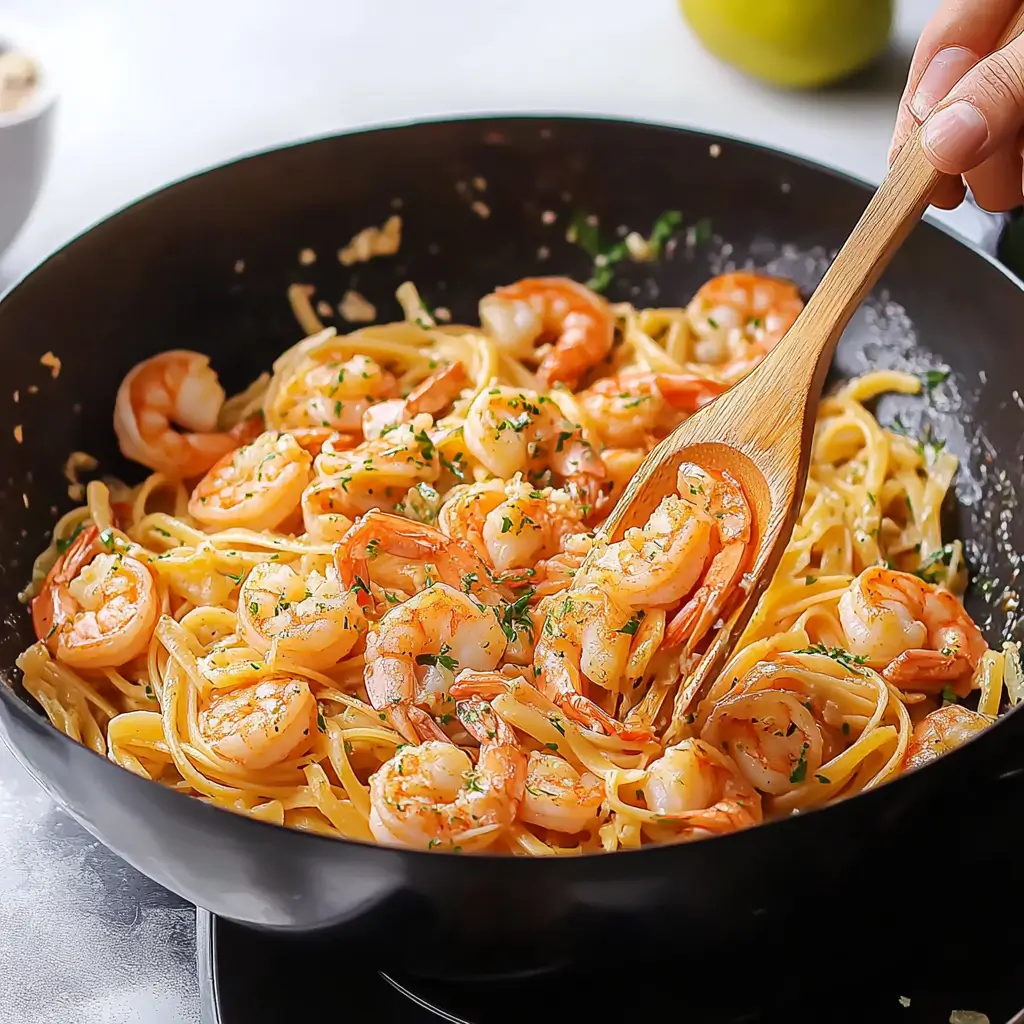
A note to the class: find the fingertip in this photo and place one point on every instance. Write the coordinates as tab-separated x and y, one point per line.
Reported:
948	194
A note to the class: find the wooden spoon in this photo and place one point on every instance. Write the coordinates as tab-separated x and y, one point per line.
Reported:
761	430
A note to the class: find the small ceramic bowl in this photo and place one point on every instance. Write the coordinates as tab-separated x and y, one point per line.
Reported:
26	134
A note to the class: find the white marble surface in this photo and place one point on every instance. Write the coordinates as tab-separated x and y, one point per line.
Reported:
152	90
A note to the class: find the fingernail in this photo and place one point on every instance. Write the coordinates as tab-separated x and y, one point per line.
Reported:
944	70
955	134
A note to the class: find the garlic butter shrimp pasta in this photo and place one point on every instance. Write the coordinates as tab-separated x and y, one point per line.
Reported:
369	596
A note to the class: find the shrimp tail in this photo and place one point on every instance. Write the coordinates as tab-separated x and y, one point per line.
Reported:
698	616
246	431
390	687
501	761
725	816
686	391
930	672
423	725
438	391
584	711
48	604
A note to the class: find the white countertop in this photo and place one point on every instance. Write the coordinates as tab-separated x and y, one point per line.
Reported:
151	91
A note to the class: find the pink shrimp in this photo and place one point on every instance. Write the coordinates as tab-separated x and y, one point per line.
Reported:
918	634
432	395
414	549
940	732
537	310
740	309
637	406
727	503
176	388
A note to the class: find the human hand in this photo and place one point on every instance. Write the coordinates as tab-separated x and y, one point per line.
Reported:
971	101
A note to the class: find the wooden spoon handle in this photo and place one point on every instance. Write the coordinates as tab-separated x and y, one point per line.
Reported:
889	217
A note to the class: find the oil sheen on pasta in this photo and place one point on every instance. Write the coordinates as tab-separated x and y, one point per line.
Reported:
369	597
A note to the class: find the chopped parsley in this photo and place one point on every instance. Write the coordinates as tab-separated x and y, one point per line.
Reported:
840	654
633	625
453	466
661	230
932	569
515	617
799	773
427	449
583	230
63	545
442	658
933	378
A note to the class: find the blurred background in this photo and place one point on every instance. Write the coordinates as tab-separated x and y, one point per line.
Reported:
150	91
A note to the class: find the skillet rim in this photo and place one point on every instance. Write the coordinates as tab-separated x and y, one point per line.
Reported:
33	720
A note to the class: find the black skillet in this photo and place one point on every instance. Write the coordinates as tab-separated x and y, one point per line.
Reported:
204	264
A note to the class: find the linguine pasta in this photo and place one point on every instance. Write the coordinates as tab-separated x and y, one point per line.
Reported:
382	609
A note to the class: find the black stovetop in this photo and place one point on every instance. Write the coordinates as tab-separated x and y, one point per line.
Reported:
236	993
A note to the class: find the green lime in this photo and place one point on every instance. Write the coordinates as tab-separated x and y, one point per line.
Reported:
799	44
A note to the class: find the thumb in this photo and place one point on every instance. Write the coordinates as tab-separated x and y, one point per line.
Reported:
981	113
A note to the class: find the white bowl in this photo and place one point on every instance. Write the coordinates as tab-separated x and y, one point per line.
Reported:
26	135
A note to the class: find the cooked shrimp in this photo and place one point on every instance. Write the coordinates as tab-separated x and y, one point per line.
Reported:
171	389
512	431
432	395
510	525
658	564
698	788
374	474
262	724
741	315
96	609
255	487
636	407
727	504
918	635
392	551
557	796
413	652
312	619
432	796
322	517
555	574
317	388
538	310
774	736
940	732
586	637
